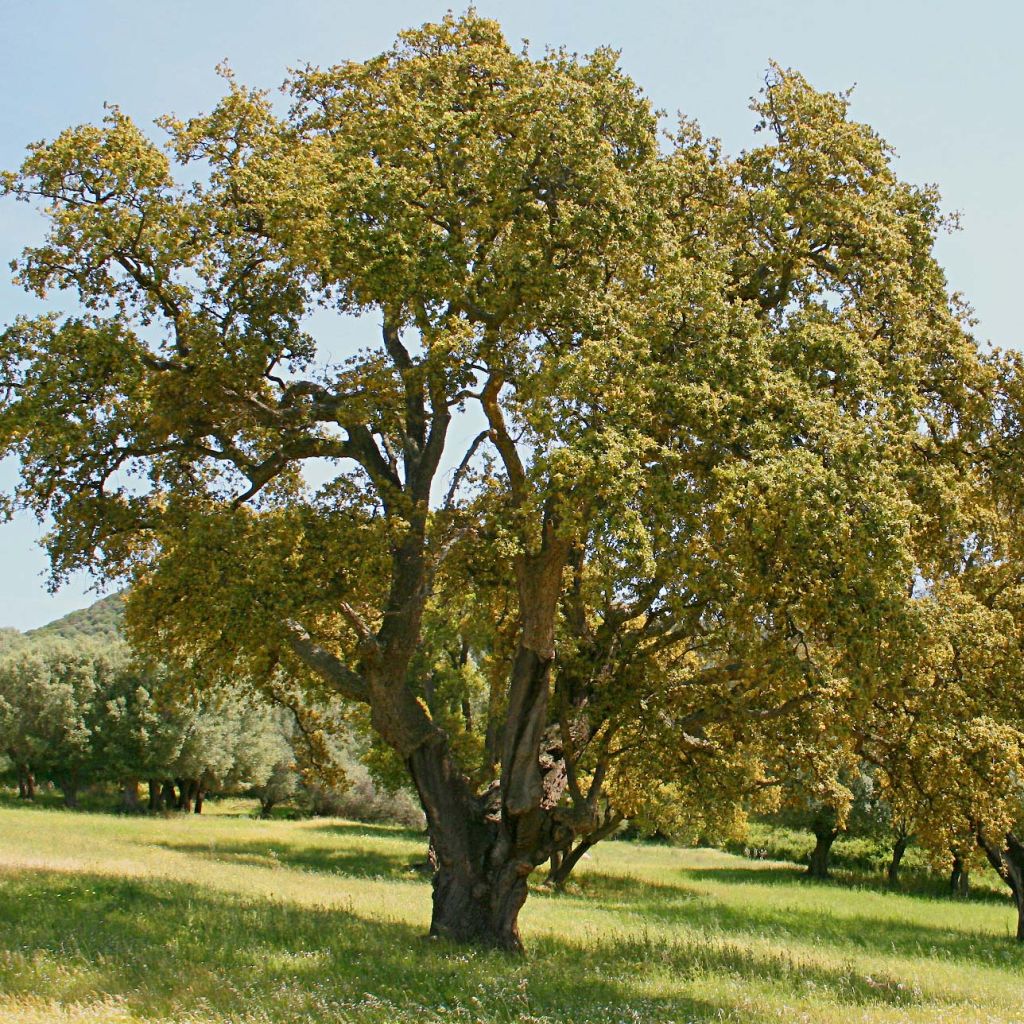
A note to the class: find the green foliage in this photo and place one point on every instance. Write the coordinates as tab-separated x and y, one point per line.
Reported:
76	709
362	798
102	621
866	855
50	690
733	416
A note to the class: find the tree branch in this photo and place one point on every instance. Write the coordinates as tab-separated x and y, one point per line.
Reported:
328	666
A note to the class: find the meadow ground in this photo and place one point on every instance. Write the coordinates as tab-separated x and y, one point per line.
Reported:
224	918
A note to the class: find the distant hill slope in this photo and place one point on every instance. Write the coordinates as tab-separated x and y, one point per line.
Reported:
102	620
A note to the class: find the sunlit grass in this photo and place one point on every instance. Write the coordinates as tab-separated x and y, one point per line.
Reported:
221	918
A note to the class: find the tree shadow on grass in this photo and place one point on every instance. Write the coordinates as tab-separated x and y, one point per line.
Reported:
847	933
681	904
916	885
166	949
365	830
350	861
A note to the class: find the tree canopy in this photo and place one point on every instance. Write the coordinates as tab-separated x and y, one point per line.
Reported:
694	423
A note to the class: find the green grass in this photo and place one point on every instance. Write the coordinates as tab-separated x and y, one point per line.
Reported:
224	918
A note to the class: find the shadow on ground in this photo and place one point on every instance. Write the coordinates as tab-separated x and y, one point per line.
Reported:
350	861
651	951
164	949
914	884
365	830
783	920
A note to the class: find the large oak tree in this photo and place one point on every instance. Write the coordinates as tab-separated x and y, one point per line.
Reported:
715	394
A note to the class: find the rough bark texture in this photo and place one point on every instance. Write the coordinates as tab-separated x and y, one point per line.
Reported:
824	838
484	844
481	859
461	839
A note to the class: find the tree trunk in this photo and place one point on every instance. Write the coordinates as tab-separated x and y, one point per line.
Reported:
184	795
481	908
562	864
266	806
486	846
156	796
959	878
130	800
198	795
167	793
471	893
26	783
70	791
554	864
824	838
1008	860
1014	856
898	849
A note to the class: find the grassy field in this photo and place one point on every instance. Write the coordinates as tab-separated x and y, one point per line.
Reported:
224	918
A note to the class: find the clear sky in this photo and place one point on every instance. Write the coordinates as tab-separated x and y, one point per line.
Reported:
942	80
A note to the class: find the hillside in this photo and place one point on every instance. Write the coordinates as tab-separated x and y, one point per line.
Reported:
101	620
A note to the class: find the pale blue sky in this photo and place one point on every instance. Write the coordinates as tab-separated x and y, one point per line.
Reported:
942	81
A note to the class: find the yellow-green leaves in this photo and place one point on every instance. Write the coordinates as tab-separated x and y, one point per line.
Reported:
726	406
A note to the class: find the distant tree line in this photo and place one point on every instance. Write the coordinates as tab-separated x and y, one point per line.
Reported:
79	711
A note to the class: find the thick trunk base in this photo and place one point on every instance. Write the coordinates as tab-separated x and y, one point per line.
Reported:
479	883
818	864
479	912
